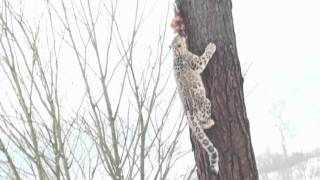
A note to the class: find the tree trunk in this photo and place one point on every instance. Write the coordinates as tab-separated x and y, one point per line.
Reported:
211	21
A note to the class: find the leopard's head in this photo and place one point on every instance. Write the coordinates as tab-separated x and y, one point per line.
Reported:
179	45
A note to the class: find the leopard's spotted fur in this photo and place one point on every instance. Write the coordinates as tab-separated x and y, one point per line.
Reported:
187	69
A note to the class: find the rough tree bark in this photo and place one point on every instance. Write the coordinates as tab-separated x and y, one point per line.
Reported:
211	20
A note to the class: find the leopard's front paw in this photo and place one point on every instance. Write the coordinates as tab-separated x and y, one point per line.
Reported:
211	47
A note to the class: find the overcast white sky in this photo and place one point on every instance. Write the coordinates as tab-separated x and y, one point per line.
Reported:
281	38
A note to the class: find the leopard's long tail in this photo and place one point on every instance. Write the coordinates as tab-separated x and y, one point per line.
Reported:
205	142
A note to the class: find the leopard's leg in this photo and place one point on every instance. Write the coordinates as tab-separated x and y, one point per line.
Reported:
205	142
199	63
208	120
204	111
208	53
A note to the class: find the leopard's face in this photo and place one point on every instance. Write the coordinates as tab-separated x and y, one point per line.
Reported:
179	46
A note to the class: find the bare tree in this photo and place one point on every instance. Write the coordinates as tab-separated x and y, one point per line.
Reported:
211	21
117	123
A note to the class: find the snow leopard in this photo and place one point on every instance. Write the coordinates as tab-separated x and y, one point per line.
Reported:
187	70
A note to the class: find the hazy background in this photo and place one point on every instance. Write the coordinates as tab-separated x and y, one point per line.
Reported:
281	40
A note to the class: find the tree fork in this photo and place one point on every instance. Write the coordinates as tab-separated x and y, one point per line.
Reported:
211	21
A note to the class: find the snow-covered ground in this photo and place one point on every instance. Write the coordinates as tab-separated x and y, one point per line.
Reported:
309	170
